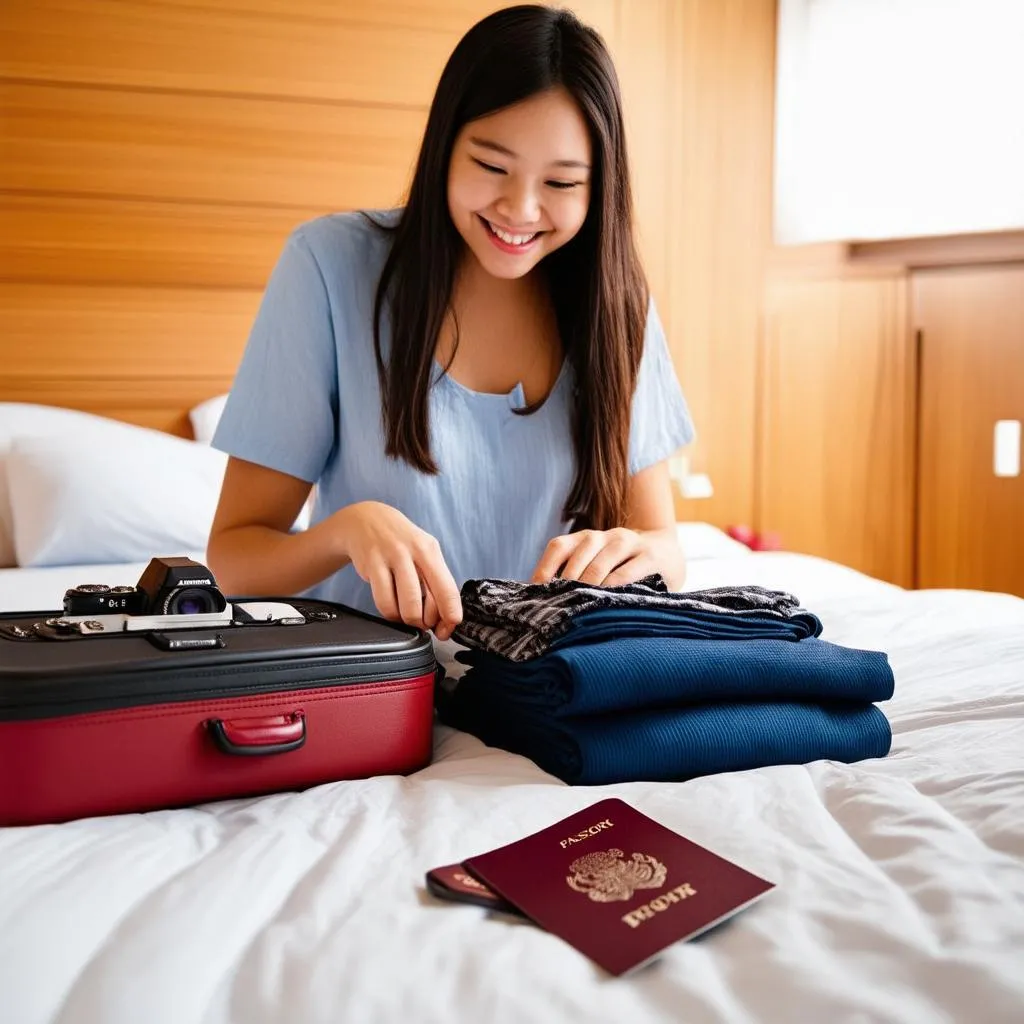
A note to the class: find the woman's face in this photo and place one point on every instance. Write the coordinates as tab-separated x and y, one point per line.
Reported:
519	182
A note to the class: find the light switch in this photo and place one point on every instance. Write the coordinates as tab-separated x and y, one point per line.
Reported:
1007	448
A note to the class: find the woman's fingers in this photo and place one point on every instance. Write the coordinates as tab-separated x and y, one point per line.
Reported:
629	572
441	587
555	556
591	543
590	556
411	582
430	613
382	586
619	547
408	589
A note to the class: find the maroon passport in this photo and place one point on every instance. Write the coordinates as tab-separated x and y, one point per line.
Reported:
453	883
617	885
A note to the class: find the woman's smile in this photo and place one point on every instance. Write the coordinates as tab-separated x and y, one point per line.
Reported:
512	242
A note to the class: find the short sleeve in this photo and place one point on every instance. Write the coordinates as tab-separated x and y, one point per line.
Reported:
282	409
661	422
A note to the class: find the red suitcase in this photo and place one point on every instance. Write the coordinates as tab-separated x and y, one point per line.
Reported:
133	721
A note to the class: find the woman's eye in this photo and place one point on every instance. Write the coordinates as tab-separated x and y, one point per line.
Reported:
563	184
489	167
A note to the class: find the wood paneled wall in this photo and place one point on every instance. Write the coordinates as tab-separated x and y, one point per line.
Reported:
156	154
719	228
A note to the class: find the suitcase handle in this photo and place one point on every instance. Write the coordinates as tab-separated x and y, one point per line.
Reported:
275	734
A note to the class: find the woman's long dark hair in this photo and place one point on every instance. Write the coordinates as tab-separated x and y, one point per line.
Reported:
597	284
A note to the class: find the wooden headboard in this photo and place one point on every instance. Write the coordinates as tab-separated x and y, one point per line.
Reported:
155	156
143	355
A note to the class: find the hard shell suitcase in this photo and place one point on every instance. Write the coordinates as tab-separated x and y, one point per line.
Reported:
138	721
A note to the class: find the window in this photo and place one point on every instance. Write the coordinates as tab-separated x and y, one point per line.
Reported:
898	118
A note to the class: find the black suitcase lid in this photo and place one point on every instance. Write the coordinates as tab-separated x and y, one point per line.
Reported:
42	678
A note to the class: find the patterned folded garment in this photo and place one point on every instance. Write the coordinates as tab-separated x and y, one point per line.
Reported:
519	621
643	672
674	744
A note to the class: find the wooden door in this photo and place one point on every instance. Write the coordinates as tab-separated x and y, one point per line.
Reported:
970	521
835	474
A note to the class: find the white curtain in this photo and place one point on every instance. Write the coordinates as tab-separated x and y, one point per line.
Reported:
898	118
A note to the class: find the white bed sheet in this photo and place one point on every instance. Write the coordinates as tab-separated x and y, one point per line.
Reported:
901	880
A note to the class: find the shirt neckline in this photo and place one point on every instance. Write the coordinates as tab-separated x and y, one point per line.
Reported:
515	398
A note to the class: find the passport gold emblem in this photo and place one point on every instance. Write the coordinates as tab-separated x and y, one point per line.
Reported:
604	876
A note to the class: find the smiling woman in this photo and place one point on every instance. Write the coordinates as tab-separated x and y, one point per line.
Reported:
525	403
528	201
513	201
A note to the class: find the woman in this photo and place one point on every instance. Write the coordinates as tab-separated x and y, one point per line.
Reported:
477	384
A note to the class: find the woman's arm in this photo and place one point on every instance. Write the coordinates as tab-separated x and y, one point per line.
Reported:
650	500
251	551
652	514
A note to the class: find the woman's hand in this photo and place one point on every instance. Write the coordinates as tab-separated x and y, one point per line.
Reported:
612	558
403	565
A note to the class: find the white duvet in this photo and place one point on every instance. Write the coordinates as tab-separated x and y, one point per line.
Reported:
900	881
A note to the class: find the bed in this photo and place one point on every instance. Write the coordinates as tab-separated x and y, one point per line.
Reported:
900	881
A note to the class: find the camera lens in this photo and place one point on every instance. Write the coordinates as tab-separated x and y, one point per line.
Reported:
190	601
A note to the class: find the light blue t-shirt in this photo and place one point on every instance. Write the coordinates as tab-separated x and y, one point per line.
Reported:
306	402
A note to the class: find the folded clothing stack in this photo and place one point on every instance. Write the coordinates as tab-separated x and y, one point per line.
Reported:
600	685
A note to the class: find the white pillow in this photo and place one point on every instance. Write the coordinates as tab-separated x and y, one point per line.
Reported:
204	418
23	419
120	494
702	540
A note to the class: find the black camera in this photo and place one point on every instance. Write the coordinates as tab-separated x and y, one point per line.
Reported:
172	594
169	587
